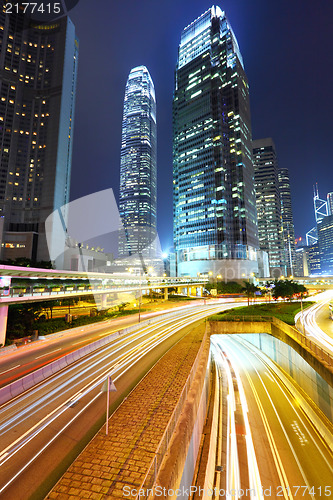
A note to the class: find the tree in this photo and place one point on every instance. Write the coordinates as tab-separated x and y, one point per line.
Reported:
122	306
22	319
249	290
50	304
287	289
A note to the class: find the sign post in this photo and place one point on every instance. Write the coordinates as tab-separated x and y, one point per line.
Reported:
108	386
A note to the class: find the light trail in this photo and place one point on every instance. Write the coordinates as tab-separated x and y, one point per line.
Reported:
265	377
233	482
308	321
80	385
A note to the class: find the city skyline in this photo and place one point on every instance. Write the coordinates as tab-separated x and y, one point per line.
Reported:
268	114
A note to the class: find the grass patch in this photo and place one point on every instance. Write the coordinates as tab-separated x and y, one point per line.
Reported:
285	311
180	298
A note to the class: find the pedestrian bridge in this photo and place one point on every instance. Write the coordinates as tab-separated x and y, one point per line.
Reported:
26	285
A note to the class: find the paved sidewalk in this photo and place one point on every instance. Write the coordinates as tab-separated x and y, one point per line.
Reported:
109	463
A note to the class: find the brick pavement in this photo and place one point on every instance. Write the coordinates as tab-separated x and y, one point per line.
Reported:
123	457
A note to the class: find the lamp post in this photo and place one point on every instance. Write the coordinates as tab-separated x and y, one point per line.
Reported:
140	292
131	270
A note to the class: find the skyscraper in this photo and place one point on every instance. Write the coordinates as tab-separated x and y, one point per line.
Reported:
268	202
37	86
287	219
321	210
325	241
330	203
137	204
215	226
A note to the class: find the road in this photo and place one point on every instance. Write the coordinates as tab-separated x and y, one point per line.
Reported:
270	447
43	429
32	356
318	326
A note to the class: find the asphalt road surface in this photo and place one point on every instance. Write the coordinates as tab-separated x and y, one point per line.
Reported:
270	445
43	429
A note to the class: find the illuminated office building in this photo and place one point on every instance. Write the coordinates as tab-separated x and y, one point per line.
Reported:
325	241
268	203
287	220
330	203
137	204
37	99
215	225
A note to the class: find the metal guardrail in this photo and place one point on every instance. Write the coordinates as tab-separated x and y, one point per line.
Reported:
151	476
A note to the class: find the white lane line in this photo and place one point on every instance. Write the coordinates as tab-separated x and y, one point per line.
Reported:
48	353
13	368
81	342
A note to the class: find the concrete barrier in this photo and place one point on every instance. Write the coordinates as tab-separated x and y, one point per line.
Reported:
28	381
179	461
7	349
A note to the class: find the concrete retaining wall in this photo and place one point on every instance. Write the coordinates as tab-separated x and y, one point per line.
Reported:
194	445
298	368
179	462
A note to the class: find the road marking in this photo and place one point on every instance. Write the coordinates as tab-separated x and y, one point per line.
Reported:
13	368
81	341
48	353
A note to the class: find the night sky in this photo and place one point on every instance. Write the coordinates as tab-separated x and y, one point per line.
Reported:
287	47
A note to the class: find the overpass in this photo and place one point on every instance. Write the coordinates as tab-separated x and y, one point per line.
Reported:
319	283
62	285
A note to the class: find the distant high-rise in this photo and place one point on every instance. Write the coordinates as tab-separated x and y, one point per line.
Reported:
215	224
325	241
37	84
330	203
321	210
287	219
137	204
268	202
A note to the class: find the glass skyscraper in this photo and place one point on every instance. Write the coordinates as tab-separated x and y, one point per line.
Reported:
38	72
137	204
215	224
287	220
269	203
330	203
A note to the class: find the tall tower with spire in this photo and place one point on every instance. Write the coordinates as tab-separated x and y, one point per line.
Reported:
137	203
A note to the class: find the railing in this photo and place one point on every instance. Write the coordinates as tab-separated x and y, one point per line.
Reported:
112	285
151	476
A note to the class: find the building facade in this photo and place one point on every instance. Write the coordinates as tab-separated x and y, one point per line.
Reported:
325	243
138	170
38	72
330	203
269	204
215	224
287	220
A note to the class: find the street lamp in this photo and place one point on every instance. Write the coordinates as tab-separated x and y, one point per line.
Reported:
140	291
